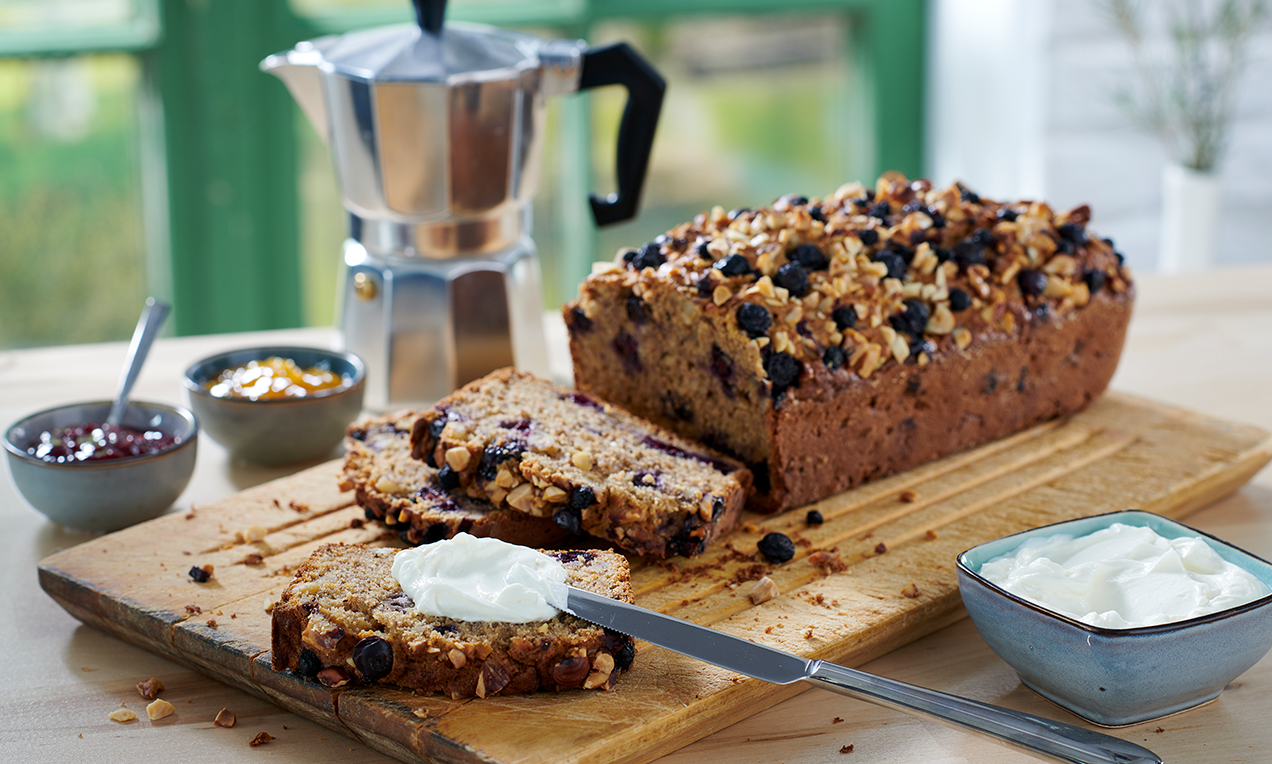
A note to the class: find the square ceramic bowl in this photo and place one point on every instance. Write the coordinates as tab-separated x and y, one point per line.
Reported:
1116	677
278	430
110	494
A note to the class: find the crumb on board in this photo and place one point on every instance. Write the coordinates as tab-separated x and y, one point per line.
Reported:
909	496
881	548
846	748
911	591
261	739
836	720
193	609
123	715
159	708
150	688
931	535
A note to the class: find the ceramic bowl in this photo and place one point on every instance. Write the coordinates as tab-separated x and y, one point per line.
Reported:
281	430
106	495
1116	677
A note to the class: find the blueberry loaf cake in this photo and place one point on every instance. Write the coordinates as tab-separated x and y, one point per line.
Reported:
408	497
826	342
345	620
523	443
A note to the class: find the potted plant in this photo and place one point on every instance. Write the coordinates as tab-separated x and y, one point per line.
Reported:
1183	90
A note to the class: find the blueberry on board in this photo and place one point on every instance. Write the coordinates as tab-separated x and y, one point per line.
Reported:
869	237
793	279
1094	280
959	300
782	369
1032	282
880	210
1008	214
814	518
777	547
199	575
896	265
913	319
834	357
448	478
650	256
754	319
844	318
809	256
373	658
733	265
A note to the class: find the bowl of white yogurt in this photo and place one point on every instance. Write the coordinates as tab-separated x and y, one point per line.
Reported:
1120	618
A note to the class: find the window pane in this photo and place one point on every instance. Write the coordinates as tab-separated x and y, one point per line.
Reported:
71	244
754	110
25	15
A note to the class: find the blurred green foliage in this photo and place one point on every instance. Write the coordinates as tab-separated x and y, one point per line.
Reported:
71	242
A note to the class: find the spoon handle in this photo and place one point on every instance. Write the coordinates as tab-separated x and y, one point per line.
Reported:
152	317
1054	741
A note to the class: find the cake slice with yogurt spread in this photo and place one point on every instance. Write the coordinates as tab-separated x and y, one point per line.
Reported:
462	617
522	443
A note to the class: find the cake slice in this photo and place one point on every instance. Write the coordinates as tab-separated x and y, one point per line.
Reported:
405	495
521	442
345	620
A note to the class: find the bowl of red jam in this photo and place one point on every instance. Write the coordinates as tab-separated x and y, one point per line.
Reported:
277	405
87	475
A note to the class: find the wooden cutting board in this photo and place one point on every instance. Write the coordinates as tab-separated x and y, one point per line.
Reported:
895	541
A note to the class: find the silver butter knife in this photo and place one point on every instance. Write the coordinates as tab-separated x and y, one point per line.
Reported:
1040	737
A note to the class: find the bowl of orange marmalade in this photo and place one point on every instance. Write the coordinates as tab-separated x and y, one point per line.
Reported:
276	404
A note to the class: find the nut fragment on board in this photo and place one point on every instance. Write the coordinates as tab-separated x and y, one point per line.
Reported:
261	739
159	709
123	715
225	718
150	688
763	591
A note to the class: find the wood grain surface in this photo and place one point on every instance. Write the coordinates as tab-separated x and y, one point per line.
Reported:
896	541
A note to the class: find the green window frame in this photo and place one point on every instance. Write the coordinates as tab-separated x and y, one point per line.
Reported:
223	211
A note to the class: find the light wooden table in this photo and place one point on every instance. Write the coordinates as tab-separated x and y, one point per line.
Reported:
1200	341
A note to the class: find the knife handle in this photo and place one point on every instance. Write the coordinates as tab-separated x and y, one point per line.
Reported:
1041	737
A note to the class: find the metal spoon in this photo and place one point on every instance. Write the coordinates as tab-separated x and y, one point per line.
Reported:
152	317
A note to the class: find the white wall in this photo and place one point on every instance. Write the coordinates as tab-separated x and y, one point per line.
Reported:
1020	105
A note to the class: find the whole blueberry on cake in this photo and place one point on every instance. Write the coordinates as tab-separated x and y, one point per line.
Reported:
826	342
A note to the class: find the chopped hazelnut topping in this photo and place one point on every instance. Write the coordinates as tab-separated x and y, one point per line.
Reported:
150	688
261	739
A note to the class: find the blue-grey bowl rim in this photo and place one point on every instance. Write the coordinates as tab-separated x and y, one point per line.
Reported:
194	384
181	411
1100	630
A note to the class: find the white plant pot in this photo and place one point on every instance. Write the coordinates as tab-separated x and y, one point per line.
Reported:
1190	219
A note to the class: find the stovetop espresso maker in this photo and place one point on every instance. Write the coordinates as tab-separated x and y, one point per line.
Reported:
436	131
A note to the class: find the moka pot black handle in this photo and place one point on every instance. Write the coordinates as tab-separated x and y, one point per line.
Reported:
619	64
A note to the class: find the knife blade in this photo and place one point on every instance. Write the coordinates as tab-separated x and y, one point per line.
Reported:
1041	737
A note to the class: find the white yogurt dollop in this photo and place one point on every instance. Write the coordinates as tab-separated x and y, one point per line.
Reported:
1123	577
479	579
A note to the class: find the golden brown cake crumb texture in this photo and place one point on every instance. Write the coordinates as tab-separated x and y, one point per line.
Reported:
344	620
830	341
525	444
404	494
